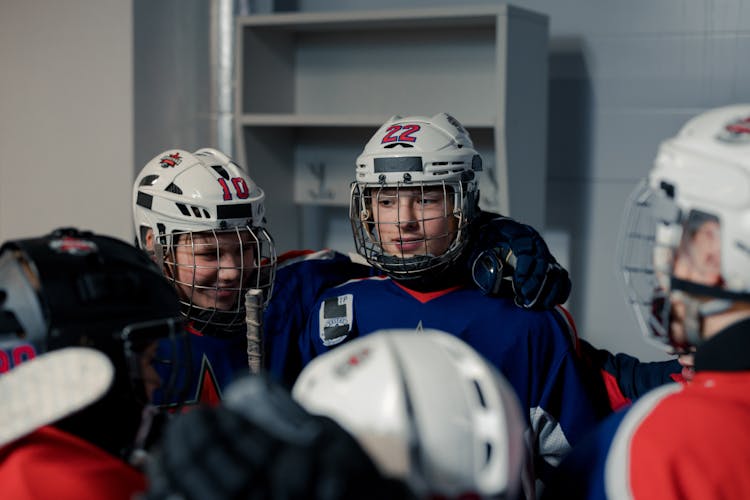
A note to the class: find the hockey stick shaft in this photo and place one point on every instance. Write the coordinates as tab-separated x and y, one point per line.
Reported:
254	321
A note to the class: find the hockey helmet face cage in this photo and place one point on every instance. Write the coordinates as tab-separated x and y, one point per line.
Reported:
415	193
203	219
72	288
685	237
428	410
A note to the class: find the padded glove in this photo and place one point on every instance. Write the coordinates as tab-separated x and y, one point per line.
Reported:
262	445
513	258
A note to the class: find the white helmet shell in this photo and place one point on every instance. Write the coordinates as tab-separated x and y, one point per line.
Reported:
419	149
178	191
426	407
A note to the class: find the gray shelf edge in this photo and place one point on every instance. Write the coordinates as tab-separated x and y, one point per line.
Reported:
375	19
294	120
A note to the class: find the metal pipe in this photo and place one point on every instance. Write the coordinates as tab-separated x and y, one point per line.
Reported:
222	14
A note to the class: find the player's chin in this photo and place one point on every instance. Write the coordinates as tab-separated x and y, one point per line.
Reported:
405	250
403	255
222	301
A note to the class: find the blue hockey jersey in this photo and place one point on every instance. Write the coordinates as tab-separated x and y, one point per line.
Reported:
530	348
215	363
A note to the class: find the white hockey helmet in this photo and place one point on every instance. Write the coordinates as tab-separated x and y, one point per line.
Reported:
699	186
427	408
407	153
198	203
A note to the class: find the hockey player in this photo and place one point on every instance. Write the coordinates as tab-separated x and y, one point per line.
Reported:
412	211
537	281
201	217
77	422
685	260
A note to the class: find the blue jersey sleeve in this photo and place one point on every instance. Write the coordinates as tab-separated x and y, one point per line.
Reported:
624	378
635	378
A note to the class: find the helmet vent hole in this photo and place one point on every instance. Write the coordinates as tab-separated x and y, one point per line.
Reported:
398	144
183	209
172	188
487	453
197	212
668	189
148	180
221	171
480	394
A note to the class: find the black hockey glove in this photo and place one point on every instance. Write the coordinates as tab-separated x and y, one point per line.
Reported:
262	445
510	257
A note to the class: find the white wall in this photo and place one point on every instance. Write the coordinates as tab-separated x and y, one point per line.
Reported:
66	116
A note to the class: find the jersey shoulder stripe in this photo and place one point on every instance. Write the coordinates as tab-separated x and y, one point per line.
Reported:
617	468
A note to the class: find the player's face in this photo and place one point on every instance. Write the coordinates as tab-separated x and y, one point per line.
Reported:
211	269
698	259
414	221
699	256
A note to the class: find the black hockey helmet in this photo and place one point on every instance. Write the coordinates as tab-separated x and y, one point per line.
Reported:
74	288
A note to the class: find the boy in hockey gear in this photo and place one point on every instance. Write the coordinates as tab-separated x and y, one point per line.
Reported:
202	218
413	212
537	281
428	409
685	261
77	289
260	443
395	245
